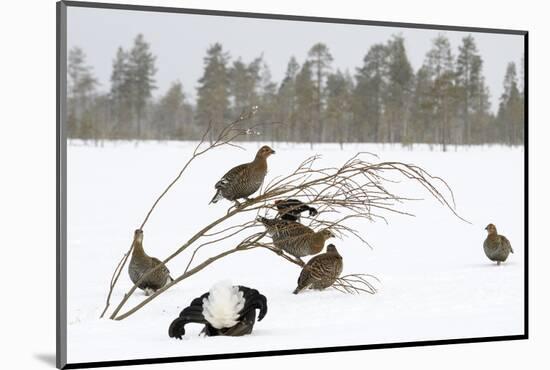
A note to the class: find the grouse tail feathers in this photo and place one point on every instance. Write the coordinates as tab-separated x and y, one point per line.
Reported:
244	315
290	209
190	314
253	300
312	211
216	197
510	246
266	221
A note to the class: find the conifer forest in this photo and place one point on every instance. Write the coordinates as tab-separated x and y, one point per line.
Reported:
383	100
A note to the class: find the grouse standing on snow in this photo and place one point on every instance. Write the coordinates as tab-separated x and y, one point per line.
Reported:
291	209
321	271
496	247
295	238
225	310
245	179
141	263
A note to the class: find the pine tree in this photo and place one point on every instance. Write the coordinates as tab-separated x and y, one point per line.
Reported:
81	86
440	67
286	100
141	72
120	75
120	95
473	100
213	91
522	77
482	115
423	126
510	114
268	104
101	117
244	83
338	106
398	91
320	60
371	87
305	104
522	94
169	114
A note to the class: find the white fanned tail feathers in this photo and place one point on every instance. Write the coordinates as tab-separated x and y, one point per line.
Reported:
221	308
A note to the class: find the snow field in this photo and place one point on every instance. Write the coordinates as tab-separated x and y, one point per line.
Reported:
436	282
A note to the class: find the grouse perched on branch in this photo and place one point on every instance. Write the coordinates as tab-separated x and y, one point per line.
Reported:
295	238
245	179
291	209
225	310
141	263
321	271
496	247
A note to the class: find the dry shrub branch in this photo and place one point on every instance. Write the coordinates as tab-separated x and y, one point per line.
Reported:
357	190
226	136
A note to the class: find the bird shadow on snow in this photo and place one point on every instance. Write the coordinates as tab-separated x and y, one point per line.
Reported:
492	265
47	358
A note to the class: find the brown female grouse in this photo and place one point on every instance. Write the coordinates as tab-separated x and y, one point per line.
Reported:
295	238
321	271
496	247
245	179
142	263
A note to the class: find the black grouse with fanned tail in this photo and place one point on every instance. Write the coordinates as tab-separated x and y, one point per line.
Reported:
225	310
244	180
321	271
496	247
141	263
295	238
291	209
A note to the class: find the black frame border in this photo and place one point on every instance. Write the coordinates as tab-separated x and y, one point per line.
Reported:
61	185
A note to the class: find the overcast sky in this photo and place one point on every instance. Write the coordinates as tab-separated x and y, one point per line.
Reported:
180	41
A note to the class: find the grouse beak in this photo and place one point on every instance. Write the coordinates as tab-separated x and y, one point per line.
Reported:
272	151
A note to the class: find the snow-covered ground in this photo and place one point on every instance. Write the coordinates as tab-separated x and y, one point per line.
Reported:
436	282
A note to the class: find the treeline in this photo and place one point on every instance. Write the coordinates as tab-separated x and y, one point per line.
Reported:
445	102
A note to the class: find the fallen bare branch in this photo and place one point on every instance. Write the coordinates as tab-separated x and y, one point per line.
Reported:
356	190
355	284
227	134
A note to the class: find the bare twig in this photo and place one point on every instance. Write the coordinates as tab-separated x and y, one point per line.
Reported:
355	284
